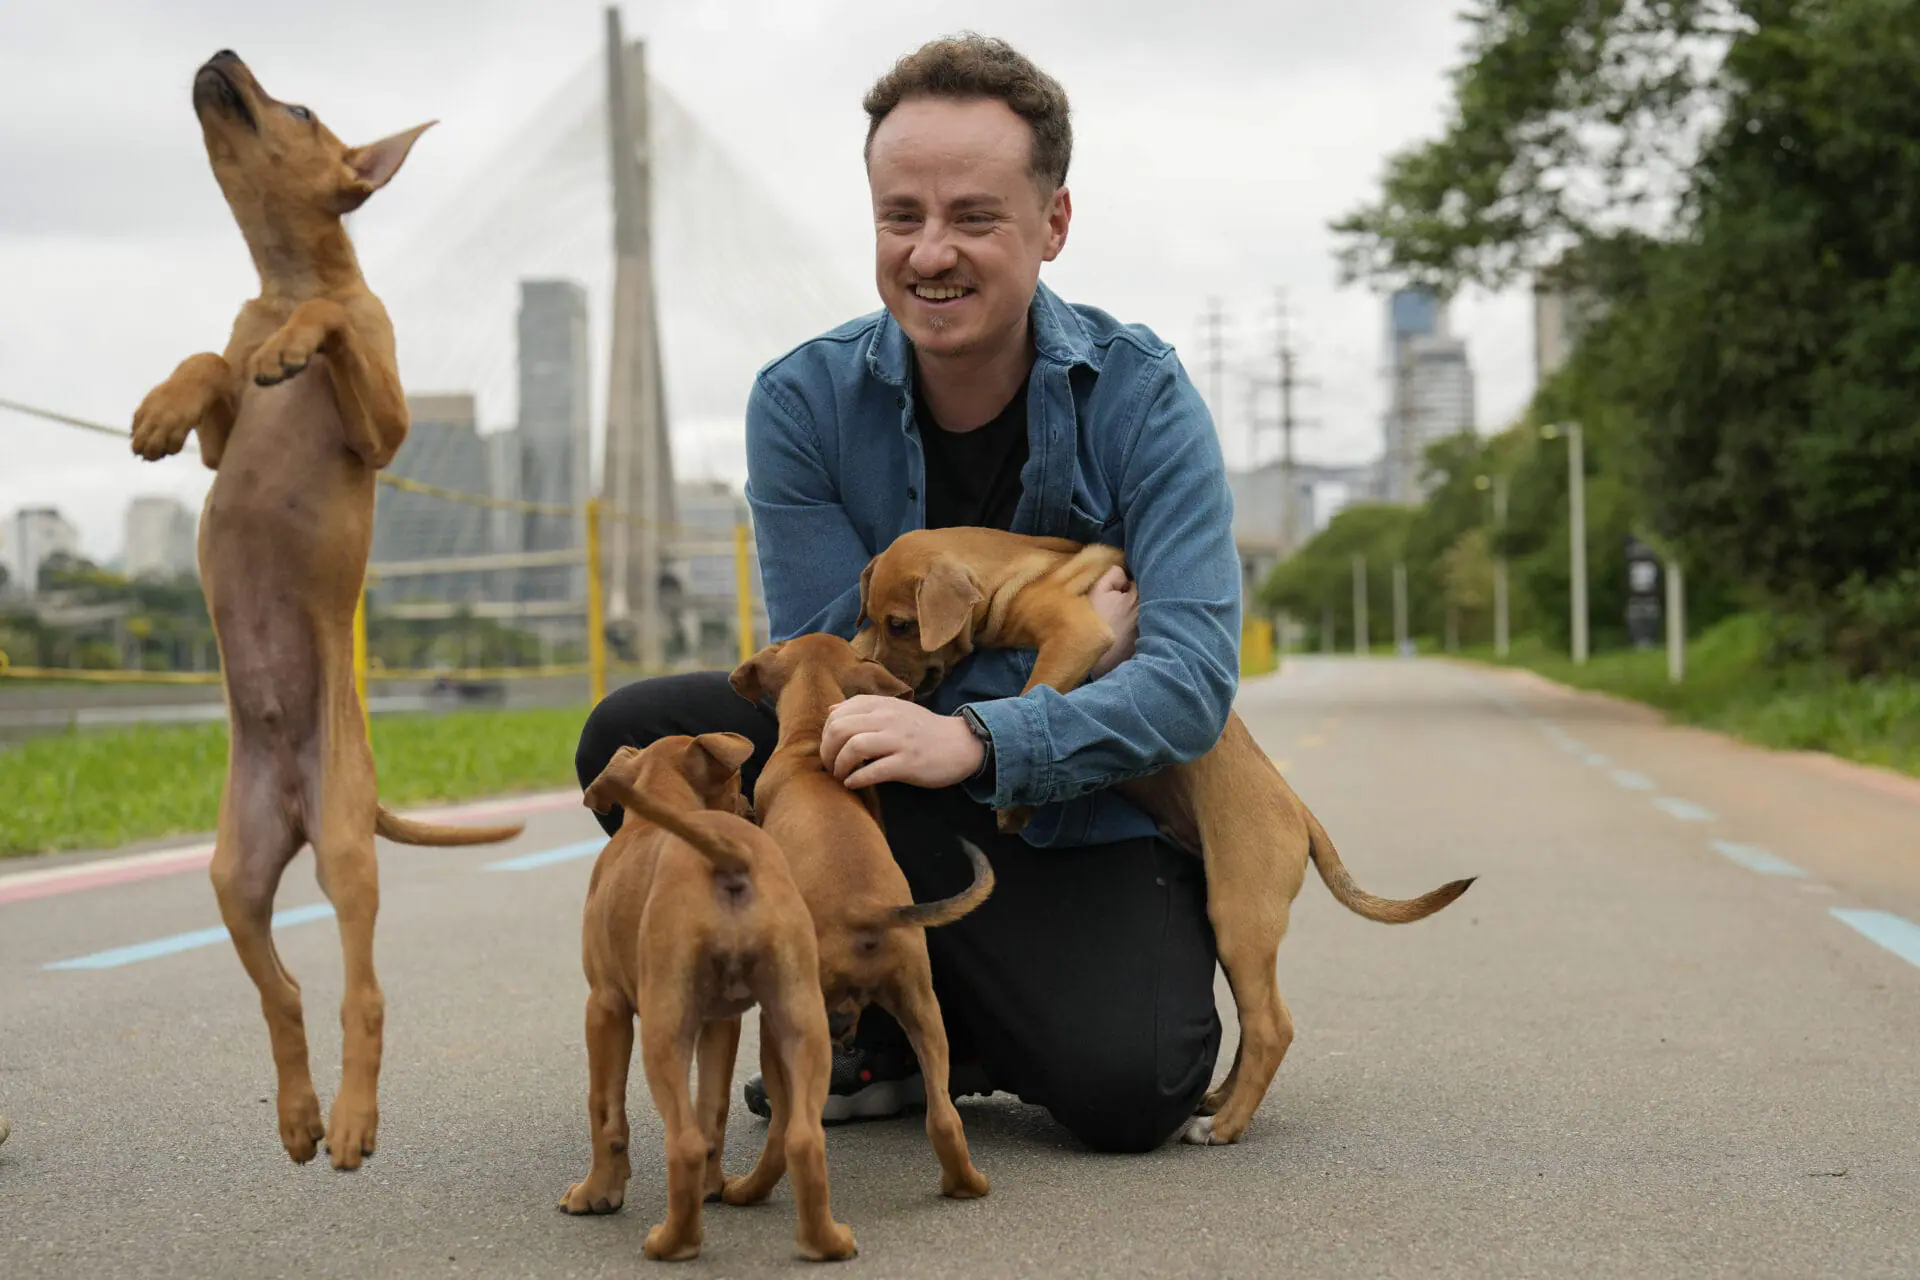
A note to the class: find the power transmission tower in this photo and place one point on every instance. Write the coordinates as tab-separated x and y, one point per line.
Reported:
1216	365
1286	362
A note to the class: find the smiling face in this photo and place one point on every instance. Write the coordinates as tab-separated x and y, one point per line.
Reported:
961	223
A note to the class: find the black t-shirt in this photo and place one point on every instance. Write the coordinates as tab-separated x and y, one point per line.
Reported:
973	477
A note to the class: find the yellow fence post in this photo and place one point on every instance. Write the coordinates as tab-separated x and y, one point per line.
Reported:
743	589
1257	647
596	609
360	650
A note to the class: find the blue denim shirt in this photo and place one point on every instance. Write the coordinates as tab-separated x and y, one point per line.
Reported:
1122	450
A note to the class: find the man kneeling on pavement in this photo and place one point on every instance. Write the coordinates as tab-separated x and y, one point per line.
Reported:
978	397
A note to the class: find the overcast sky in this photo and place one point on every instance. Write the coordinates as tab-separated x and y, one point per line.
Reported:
1213	143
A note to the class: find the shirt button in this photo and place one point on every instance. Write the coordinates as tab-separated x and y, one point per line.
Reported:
913	495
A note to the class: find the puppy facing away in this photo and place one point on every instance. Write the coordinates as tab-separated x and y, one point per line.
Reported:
692	918
295	417
873	945
933	596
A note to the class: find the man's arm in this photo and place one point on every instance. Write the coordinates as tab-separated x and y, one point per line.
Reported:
810	553
1169	702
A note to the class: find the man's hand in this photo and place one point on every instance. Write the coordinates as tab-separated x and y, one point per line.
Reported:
1118	604
869	739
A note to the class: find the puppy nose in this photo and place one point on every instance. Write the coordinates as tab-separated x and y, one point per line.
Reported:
225	55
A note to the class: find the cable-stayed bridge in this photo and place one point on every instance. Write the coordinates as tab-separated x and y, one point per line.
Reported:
603	287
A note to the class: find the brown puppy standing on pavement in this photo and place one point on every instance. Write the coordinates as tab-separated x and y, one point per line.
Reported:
872	945
297	415
934	595
692	918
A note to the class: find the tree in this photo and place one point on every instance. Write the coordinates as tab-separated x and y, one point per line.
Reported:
1770	371
1749	382
1571	121
1319	576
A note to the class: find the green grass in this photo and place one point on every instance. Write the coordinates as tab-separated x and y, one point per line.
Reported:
105	788
1729	687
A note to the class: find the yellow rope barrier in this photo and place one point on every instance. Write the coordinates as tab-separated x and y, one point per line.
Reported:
596	668
108	675
402	483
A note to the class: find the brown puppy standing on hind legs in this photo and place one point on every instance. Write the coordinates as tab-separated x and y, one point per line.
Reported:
295	418
935	595
873	947
692	917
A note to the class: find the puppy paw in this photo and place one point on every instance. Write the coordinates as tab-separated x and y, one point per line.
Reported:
300	1126
971	1184
745	1190
286	353
592	1196
164	419
350	1132
666	1245
833	1244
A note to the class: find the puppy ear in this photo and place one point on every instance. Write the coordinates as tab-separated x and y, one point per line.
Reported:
871	677
375	164
866	583
714	759
945	602
751	678
603	795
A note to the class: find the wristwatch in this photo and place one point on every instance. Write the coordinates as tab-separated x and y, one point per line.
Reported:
980	731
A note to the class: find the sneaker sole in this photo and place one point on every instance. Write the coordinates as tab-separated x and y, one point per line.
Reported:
878	1101
885	1099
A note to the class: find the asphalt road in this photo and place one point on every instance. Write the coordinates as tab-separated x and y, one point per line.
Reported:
1651	1041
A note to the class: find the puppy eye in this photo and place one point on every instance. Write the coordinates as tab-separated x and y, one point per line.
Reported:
899	628
300	113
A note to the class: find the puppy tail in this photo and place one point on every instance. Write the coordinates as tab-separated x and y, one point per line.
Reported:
722	854
931	915
1357	900
407	831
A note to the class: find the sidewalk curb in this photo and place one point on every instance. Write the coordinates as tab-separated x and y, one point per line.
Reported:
25	879
1871	777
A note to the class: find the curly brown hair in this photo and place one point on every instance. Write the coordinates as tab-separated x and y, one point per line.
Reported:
975	66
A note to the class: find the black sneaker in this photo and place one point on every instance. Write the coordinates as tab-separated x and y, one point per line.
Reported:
874	1084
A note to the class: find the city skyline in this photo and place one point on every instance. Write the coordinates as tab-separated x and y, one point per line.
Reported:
148	223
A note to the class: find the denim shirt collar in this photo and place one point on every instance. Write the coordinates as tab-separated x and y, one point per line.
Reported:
1059	337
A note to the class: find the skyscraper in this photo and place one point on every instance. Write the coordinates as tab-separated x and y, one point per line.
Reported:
29	539
1430	391
506	528
555	401
443	448
159	540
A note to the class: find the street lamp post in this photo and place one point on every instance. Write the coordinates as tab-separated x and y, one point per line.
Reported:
1577	528
1360	642
1501	635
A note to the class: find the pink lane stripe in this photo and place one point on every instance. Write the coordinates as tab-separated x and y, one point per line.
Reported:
27	885
85	876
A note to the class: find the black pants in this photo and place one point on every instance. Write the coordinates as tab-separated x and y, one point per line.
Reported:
1084	984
